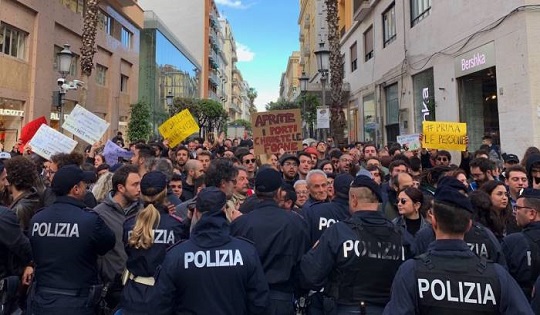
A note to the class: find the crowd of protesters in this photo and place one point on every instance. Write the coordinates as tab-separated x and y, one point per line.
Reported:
83	235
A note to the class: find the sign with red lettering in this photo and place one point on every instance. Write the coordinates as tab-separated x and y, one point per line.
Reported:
275	130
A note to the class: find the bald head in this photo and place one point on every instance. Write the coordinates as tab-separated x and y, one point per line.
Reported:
402	181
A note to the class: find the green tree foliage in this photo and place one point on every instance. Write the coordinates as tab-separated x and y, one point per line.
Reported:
309	115
252	95
282	104
139	126
243	123
209	114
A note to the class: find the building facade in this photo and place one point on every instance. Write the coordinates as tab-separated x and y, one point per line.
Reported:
166	68
290	85
415	60
32	32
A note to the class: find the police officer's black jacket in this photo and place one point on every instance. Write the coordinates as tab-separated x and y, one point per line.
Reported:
480	240
211	273
322	215
66	239
15	248
522	252
355	260
26	206
281	238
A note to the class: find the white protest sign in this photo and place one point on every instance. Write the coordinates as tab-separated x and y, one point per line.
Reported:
85	125
47	142
112	152
412	142
323	117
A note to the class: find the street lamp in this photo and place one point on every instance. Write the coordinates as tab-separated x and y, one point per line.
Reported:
303	88
65	58
323	61
169	98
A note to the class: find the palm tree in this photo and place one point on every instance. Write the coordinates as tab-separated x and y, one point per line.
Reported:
88	48
252	95
336	71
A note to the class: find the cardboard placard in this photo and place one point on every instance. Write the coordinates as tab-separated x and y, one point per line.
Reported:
47	142
444	135
177	128
85	124
275	130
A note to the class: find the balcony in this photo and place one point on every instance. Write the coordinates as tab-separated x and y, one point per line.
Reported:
213	96
363	8
214	79
307	21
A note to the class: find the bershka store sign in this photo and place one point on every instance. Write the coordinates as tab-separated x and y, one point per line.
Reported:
475	60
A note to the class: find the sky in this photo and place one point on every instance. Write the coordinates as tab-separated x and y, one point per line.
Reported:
266	34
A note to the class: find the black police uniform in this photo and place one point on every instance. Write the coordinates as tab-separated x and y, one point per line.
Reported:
451	279
479	239
522	252
66	239
355	261
211	273
322	215
281	238
143	263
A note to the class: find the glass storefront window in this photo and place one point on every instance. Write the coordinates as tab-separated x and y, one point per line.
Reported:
370	118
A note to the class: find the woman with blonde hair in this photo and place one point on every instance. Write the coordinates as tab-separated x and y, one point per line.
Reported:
147	236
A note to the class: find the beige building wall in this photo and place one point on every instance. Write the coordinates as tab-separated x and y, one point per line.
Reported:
290	83
439	41
27	81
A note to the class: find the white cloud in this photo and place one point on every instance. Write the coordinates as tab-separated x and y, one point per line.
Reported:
236	4
265	96
244	53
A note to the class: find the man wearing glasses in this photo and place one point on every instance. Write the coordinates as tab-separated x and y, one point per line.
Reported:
522	250
289	168
249	162
443	158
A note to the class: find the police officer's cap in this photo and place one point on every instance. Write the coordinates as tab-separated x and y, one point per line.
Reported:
211	199
153	183
287	157
529	193
451	191
268	180
69	176
342	184
365	181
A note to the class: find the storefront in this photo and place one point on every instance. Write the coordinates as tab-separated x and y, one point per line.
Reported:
11	118
477	93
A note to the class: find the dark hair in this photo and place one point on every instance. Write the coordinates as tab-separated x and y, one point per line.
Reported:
372	167
498	219
481	202
199	182
530	151
181	148
514	168
400	157
176	177
415	163
325	162
426	205
290	194
444	153
481	151
415	194
482	163
432	175
451	219
335	153
393	148
145	151
302	153
240	152
369	144
63	159
21	172
219	170
267	195
205	152
397	163
120	176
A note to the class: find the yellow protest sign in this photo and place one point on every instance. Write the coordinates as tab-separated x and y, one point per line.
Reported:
177	128
444	135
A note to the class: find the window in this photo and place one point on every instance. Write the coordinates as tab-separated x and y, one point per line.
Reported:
76	6
123	83
126	38
74	61
368	43
392	111
389	25
12	41
354	57
101	75
105	22
420	9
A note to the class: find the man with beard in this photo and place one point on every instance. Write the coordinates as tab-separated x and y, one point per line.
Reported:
194	169
482	172
182	156
122	202
223	175
289	168
241	189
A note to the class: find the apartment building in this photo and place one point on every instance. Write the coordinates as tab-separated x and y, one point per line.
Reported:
231	75
32	32
415	60
290	85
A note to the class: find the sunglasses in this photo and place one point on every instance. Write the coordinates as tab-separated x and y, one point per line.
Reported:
402	201
442	159
249	161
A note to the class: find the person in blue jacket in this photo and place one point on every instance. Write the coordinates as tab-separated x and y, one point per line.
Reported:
66	239
212	272
522	250
450	278
355	260
147	236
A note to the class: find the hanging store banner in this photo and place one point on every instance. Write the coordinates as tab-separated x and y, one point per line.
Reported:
85	124
276	130
177	128
323	117
444	135
47	142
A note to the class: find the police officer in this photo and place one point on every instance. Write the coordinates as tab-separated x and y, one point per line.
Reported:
450	278
66	239
479	238
280	236
522	249
356	259
212	272
147	236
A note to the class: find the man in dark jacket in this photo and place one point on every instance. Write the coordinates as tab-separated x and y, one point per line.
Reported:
533	171
212	272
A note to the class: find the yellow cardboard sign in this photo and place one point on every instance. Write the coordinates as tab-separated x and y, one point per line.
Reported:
444	135
177	128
